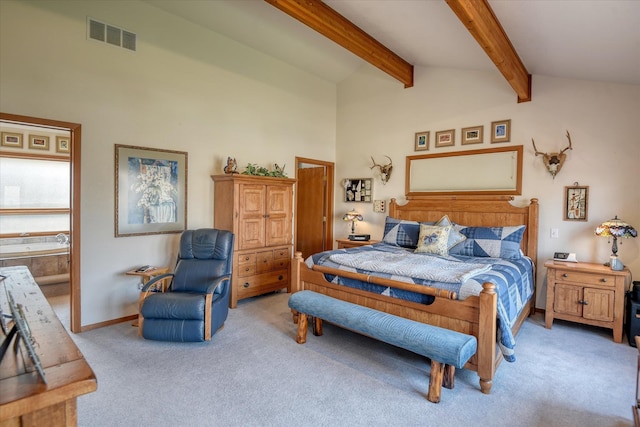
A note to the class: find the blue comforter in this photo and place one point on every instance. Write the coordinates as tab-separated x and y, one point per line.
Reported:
513	279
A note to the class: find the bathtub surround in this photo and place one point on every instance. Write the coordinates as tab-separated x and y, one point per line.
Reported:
46	257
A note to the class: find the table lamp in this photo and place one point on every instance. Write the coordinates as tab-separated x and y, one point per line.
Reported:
615	228
353	216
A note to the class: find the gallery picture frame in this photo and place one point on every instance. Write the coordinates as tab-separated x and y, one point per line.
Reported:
39	142
11	139
63	144
422	141
501	131
150	191
472	135
358	190
576	203
445	138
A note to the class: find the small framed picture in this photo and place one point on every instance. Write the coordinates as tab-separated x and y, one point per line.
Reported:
11	139
501	131
473	135
422	141
576	203
445	138
358	190
39	142
63	144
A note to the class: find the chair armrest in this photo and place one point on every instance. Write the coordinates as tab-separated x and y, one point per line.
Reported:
212	287
155	280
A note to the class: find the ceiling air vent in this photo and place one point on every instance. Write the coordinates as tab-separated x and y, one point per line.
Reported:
110	34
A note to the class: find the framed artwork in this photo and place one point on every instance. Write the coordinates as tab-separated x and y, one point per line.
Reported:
501	131
576	203
150	191
11	139
422	141
63	144
445	138
39	142
358	190
473	135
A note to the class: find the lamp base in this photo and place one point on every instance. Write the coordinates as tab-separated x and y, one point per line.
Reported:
615	263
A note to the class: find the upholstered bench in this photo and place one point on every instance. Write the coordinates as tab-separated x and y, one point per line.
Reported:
447	349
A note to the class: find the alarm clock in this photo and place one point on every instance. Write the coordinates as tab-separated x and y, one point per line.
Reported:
565	256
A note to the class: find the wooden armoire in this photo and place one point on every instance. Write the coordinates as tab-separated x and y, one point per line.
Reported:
259	211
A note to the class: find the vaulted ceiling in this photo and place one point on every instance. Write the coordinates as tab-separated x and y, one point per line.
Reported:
578	39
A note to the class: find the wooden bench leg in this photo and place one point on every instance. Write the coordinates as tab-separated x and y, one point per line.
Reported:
317	326
449	374
301	338
435	381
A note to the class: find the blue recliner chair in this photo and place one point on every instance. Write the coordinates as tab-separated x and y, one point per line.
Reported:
196	303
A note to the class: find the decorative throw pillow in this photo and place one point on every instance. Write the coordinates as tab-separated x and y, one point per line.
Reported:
496	242
400	232
455	236
433	239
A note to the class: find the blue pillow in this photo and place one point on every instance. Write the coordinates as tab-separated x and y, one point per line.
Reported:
402	233
495	242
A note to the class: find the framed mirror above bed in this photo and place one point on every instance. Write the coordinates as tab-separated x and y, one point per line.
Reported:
493	171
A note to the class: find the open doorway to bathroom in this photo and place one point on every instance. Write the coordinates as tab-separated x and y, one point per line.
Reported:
39	229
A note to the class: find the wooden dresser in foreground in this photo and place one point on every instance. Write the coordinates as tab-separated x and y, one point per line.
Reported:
259	211
25	400
587	293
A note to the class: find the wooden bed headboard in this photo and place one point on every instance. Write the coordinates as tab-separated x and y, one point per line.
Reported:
478	212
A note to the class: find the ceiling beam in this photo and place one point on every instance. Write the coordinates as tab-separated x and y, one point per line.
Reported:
328	22
483	24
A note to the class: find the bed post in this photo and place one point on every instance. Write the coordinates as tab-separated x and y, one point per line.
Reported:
487	336
295	284
532	247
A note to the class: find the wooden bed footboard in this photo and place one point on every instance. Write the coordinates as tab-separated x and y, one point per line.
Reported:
476	315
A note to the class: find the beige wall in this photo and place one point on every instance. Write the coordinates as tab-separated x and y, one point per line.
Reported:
185	89
377	117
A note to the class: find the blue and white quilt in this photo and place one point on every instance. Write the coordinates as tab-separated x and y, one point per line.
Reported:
513	279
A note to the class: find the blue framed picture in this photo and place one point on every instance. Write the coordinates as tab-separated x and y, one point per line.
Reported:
150	191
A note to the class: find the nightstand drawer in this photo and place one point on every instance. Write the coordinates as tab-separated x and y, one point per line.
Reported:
585	278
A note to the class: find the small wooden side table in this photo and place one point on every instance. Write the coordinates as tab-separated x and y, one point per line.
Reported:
586	293
150	274
346	243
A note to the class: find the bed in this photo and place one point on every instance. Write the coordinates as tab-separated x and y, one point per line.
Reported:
476	314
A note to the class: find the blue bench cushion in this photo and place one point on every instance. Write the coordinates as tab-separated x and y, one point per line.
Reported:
443	345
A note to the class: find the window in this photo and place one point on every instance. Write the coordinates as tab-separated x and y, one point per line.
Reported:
34	195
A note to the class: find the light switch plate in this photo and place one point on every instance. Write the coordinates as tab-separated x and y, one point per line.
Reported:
379	205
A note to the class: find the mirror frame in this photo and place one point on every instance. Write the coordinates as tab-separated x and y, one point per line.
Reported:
516	190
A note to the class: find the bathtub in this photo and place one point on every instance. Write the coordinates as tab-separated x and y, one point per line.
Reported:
27	250
47	261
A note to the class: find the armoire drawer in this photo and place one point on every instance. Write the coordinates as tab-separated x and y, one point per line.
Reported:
261	283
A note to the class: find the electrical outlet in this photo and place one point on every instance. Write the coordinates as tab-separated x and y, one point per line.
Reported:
379	205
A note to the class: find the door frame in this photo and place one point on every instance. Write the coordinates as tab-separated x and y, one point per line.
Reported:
75	137
330	167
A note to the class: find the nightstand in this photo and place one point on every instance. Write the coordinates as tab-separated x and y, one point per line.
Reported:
587	293
346	243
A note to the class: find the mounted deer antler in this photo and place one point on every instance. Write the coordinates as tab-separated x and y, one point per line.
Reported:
385	170
553	161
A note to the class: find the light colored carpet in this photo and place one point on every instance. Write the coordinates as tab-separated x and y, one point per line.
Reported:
254	374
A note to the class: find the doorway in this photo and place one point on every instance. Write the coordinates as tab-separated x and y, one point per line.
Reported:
75	134
314	206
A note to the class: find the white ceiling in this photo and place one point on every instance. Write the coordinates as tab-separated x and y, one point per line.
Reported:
581	39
